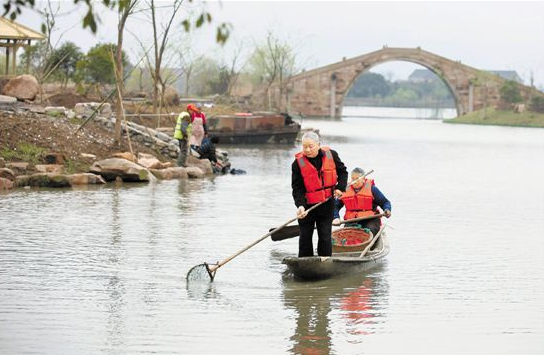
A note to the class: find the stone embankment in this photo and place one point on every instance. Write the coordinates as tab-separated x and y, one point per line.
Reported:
142	134
123	166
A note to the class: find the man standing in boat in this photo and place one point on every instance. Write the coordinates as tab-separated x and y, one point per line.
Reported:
318	174
362	199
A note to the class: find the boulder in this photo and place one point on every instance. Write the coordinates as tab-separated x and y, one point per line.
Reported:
194	172
85	109
112	168
21	180
167	130
149	161
18	167
7	99
162	174
50	168
2	163
203	164
70	114
125	155
88	157
45	180
5	184
55	111
54	158
22	87
7	174
170	173
86	179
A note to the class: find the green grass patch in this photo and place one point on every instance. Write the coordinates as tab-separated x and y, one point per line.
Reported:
26	152
72	166
492	116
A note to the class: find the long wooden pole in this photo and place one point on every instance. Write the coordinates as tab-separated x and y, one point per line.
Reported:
213	268
371	244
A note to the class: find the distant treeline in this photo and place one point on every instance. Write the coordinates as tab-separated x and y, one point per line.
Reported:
372	89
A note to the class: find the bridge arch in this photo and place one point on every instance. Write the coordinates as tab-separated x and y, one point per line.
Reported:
320	92
340	104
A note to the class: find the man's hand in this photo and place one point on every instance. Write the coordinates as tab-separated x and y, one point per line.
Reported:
301	212
387	213
338	193
336	222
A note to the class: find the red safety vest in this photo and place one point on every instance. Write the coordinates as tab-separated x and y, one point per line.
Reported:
359	204
318	185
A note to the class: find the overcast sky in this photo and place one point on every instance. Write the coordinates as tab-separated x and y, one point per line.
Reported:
485	35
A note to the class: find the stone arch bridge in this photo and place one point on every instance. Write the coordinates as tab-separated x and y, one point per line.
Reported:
321	92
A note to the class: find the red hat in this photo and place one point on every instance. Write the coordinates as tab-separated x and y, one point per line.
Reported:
192	107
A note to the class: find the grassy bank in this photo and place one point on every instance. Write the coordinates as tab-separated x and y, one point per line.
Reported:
501	118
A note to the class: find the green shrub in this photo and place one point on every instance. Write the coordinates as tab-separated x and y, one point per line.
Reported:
27	152
510	93
72	166
537	104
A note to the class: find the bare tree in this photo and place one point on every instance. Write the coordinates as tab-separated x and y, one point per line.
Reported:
274	63
125	9
187	59
233	67
160	43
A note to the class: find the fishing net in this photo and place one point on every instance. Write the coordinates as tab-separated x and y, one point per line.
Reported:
200	273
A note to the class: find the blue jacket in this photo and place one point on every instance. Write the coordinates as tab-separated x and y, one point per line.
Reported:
379	199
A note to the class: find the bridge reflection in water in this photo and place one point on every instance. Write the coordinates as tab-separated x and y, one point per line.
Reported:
350	305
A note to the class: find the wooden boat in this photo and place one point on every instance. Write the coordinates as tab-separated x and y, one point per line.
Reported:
318	267
254	128
349	239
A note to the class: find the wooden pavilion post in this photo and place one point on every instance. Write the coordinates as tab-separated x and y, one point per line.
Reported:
7	58
27	58
14	57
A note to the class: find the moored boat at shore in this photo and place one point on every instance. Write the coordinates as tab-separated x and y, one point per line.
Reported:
254	128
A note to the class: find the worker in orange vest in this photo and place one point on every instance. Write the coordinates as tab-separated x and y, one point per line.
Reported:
318	174
362	199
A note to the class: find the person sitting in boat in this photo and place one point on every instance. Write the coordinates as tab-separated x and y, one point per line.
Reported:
362	199
316	175
200	129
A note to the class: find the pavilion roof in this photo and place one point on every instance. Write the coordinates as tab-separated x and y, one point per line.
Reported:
13	30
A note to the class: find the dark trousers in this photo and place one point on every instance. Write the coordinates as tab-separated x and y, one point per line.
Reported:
182	157
321	218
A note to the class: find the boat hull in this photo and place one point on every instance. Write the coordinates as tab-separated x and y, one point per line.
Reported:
256	128
318	267
285	136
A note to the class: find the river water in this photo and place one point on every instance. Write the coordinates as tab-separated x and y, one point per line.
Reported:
102	269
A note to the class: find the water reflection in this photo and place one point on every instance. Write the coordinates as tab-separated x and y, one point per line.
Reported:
201	290
115	286
345	304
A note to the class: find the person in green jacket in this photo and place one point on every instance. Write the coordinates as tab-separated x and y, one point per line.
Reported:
182	134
